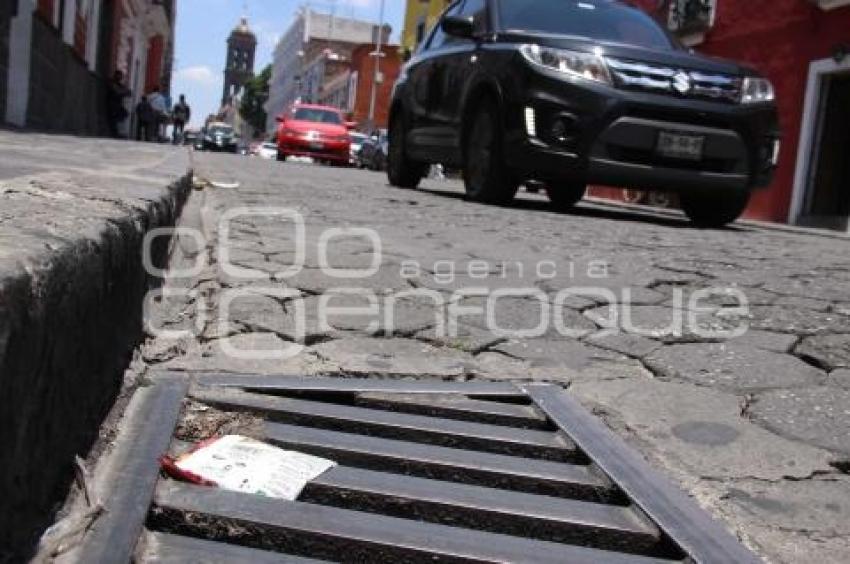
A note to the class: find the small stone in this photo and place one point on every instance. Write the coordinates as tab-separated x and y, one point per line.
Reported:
668	324
394	357
765	340
630	345
465	338
732	367
819	415
798	321
511	317
548	353
830	351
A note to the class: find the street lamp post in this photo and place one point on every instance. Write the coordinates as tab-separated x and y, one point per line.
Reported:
377	54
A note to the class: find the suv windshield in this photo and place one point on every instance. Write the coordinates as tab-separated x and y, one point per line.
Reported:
220	130
316	115
601	20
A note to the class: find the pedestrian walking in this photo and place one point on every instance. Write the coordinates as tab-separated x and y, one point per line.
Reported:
144	120
181	115
159	105
116	111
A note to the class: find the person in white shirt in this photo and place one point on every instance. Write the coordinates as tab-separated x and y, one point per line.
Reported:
160	110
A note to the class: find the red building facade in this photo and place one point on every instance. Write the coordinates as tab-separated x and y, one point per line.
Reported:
363	63
352	90
803	47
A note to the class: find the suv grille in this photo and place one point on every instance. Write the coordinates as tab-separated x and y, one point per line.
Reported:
668	80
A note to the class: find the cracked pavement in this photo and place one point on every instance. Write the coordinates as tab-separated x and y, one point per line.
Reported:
755	427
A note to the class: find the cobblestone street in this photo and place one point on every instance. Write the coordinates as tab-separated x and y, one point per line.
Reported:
755	426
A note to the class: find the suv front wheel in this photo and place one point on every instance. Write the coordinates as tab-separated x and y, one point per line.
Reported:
715	209
401	171
486	177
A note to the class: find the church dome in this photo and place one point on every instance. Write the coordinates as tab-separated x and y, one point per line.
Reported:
242	28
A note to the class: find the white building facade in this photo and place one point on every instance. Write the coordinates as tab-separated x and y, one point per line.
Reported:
310	34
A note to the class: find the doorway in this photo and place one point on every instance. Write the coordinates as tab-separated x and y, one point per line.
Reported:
822	184
828	197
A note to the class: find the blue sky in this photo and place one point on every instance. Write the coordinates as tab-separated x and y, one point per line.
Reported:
203	27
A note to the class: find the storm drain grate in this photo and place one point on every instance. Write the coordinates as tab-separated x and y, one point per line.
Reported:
427	472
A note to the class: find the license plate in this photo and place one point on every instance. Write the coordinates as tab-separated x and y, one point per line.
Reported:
317	145
678	146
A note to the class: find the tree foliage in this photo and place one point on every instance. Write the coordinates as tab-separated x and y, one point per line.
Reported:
254	98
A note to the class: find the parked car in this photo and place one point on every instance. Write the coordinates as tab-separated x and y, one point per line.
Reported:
267	150
318	132
572	93
220	137
357	140
373	153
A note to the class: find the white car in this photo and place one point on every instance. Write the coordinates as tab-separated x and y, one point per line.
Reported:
357	140
267	151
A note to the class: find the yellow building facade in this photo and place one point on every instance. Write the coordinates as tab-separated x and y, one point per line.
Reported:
419	17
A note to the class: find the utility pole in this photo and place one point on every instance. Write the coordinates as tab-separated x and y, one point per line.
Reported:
377	54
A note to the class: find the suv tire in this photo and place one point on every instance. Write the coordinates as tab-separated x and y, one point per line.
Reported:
485	176
564	196
401	171
715	209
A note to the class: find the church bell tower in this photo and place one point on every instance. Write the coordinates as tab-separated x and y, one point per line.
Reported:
241	48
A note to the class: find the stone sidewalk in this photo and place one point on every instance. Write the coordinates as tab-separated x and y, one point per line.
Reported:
73	217
755	427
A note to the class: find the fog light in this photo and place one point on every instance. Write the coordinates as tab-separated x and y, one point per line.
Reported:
563	127
530	122
559	130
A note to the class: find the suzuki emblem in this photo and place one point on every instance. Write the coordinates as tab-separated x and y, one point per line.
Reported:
682	82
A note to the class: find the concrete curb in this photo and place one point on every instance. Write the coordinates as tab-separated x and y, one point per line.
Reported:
72	284
674	214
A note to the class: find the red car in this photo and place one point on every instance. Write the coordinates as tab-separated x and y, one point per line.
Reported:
319	132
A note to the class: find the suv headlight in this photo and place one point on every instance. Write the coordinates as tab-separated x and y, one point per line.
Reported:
589	66
755	90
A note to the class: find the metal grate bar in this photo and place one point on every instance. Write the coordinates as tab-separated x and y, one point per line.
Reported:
132	480
703	538
391	500
431	430
460	408
366	537
522	474
163	548
358	385
540	517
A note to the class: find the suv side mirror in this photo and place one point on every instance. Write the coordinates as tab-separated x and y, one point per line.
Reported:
457	26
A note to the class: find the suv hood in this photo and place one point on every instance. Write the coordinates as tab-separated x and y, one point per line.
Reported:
679	58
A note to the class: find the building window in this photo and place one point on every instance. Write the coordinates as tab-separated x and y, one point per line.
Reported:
46	8
420	32
691	17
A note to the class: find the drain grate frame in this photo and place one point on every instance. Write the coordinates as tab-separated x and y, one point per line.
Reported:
428	471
